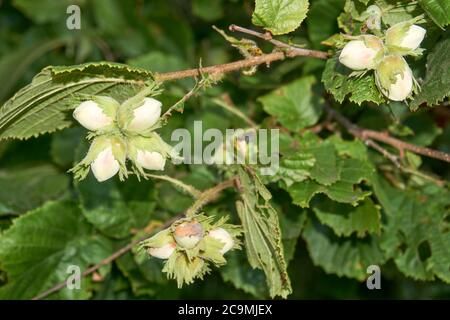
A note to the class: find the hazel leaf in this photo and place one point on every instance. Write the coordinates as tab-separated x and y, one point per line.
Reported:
279	16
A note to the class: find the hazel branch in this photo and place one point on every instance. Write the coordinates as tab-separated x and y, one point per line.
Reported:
221	68
210	195
204	198
367	135
105	261
288	52
291	50
199	85
391	157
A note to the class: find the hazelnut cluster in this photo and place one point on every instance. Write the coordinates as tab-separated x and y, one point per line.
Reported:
121	132
385	54
190	245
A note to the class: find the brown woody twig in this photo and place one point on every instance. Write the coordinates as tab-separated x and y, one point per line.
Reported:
210	195
289	52
367	135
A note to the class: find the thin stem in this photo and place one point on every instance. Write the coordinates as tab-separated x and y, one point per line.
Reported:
106	261
391	157
292	50
188	188
227	105
401	145
367	134
395	160
198	86
104	48
209	196
417	173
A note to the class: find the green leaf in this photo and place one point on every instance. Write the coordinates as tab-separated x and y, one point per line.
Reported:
130	269
43	105
352	172
145	275
337	81
316	160
322	19
354	149
156	61
279	16
291	228
207	10
325	170
243	276
44	10
64	145
416	235
14	64
23	189
293	168
348	257
105	206
109	16
345	219
393	11
295	105
400	130
350	20
151	268
39	247
438	10
436	86
424	128
323	166
262	234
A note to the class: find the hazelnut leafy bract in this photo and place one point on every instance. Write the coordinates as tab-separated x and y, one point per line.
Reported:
383	51
120	132
191	245
393	76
